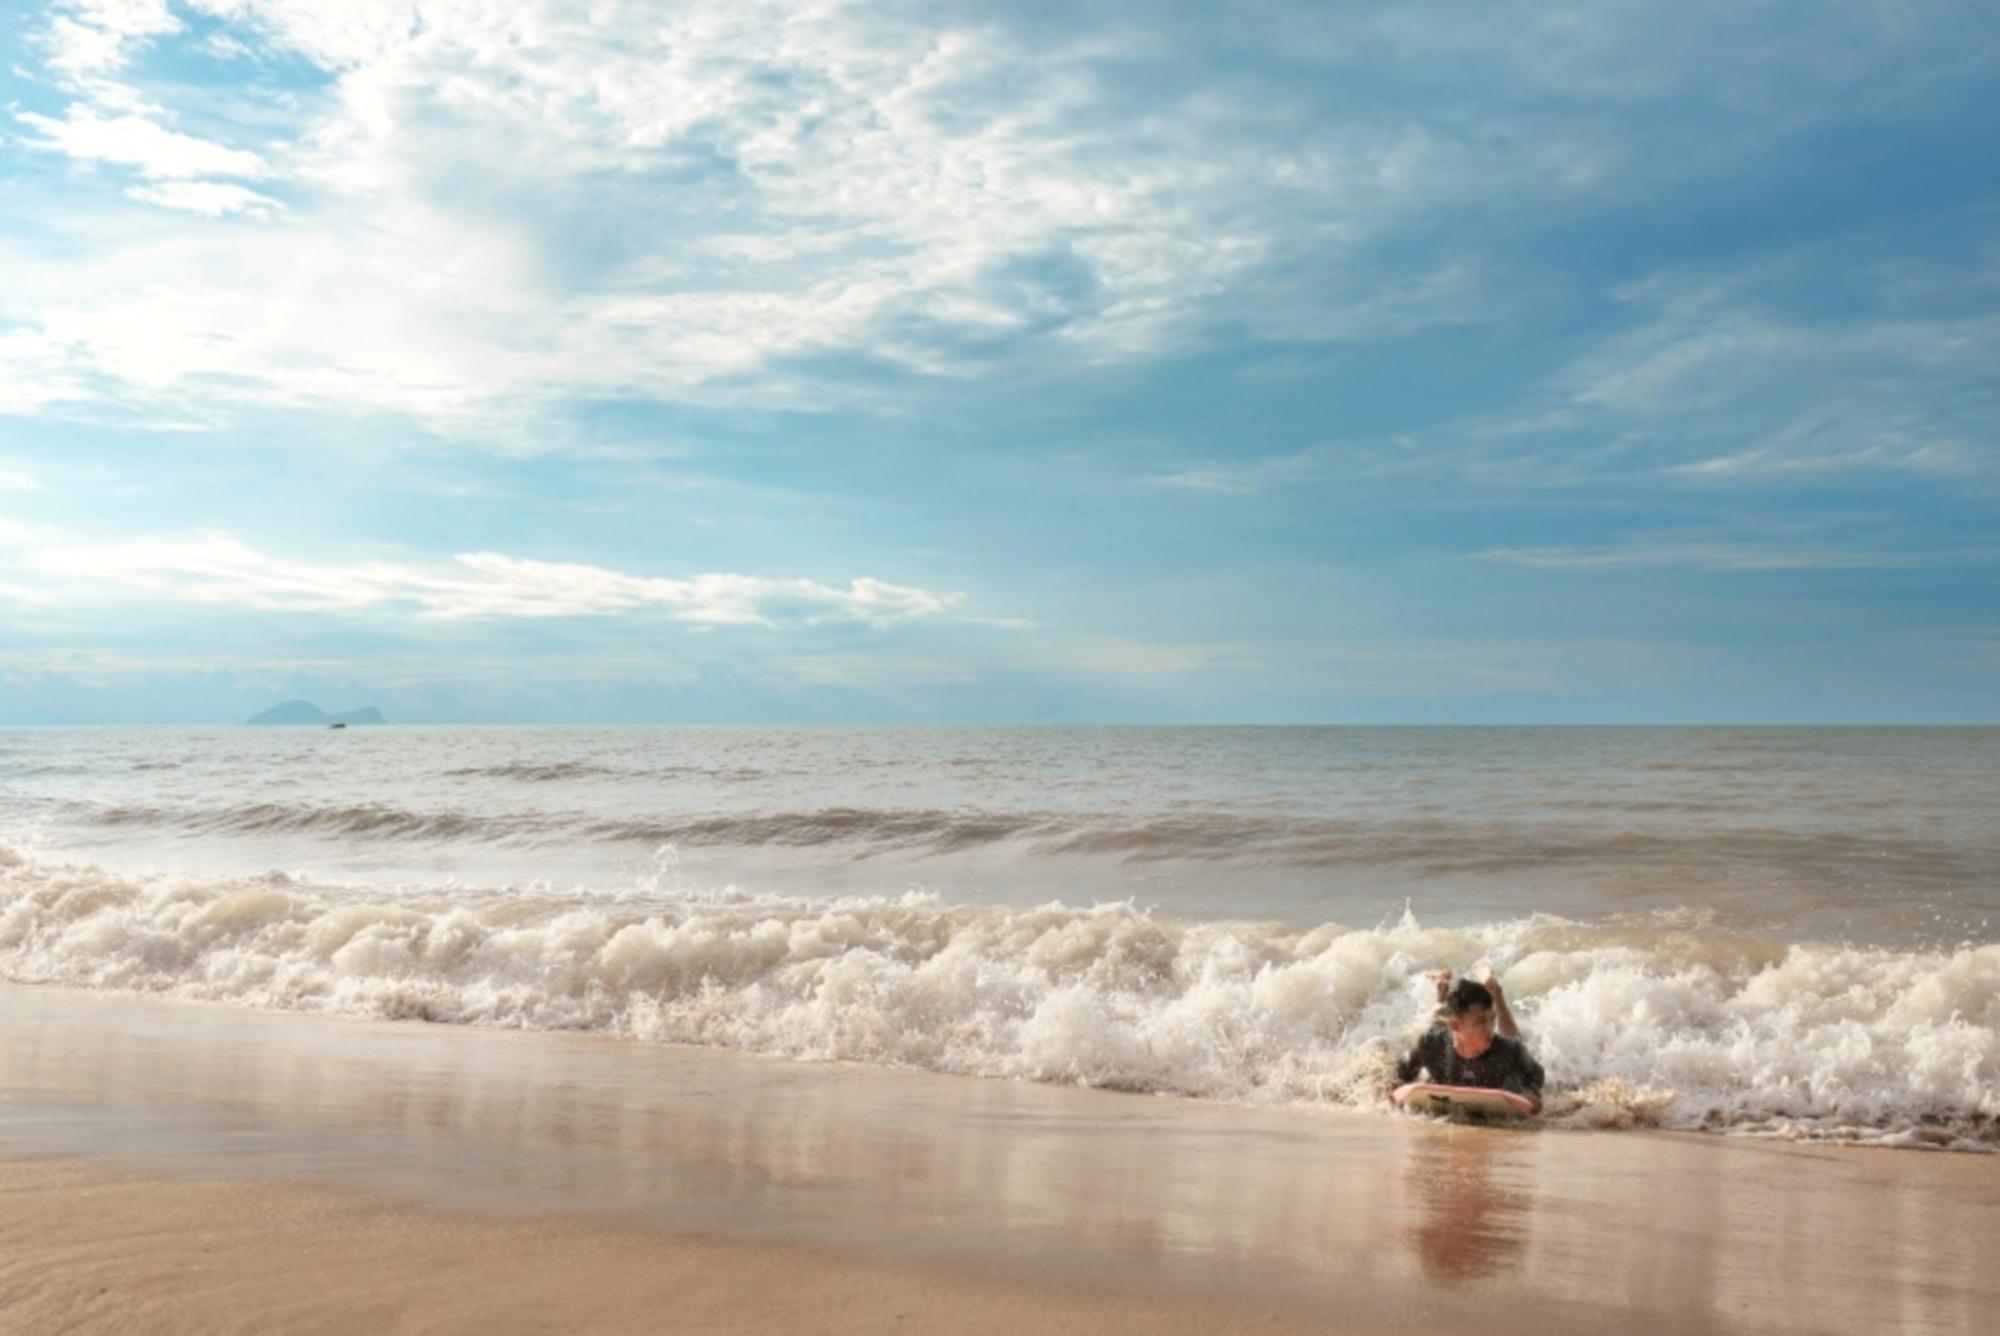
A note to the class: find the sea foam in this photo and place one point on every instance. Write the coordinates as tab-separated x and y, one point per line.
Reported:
1649	1023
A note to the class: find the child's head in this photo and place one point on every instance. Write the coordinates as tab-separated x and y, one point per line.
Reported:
1469	1014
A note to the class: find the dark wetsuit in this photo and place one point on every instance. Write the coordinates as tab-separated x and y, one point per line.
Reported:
1504	1066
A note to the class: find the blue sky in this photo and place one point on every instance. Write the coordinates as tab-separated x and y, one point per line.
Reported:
1102	362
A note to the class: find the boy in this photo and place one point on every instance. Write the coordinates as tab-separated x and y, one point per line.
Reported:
1465	1051
1506	1026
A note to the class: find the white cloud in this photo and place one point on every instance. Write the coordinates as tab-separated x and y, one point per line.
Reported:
224	47
497	205
134	141
38	370
509	203
92	38
385	314
15	534
1729	556
211	199
1083	656
89	43
1227	479
218	569
1924	457
1717	382
1248	477
17	480
1121	656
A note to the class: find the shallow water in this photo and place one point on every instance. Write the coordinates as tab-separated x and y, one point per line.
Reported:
1784	931
1376	1222
1882	836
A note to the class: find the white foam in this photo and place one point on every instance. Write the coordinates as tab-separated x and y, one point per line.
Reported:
1636	1024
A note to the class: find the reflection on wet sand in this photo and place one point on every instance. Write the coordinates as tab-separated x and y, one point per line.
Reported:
1469	1223
1380	1219
686	1139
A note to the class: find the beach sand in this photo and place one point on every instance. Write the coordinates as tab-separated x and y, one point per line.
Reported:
91	1251
175	1167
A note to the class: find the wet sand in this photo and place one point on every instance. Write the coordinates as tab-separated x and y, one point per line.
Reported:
91	1251
180	1167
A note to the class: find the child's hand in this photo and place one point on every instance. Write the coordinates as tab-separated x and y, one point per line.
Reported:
1442	978
1493	986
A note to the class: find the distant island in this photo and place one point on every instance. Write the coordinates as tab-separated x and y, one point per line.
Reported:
305	712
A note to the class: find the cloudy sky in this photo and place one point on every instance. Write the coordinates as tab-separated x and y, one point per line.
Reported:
492	360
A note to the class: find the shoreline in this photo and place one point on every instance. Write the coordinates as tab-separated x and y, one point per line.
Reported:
1047	1205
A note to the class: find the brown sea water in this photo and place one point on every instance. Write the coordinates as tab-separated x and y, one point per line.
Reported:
1770	929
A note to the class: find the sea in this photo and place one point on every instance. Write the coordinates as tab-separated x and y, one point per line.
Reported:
1766	931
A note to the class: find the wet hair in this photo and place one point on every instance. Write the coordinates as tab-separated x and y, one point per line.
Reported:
1465	995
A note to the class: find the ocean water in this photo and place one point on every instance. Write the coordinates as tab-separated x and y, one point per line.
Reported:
1780	931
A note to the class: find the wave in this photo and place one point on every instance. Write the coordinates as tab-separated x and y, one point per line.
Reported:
365	819
553	771
1638	1024
539	772
1434	846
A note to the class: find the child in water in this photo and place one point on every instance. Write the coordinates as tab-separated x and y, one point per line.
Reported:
1463	1049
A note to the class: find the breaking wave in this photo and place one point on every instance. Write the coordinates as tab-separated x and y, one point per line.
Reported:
1638	1023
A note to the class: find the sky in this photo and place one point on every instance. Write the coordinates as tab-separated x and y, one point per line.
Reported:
497	361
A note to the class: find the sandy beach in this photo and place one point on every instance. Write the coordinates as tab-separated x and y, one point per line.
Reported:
178	1167
97	1251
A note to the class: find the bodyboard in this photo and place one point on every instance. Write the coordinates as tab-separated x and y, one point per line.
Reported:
1426	1097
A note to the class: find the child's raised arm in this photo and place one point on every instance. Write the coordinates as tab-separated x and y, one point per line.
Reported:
1502	1014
